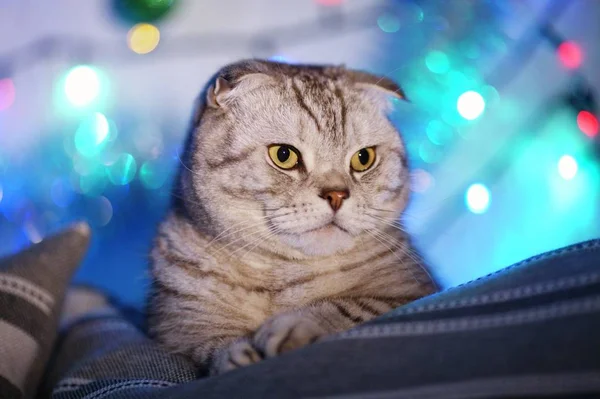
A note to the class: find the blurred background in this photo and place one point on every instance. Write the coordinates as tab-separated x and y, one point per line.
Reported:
502	127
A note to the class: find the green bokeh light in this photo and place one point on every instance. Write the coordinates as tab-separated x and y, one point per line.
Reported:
430	152
470	50
92	135
92	185
438	132
122	171
388	23
153	174
490	94
458	80
437	62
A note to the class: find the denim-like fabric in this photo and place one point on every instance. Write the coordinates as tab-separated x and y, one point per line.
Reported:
532	330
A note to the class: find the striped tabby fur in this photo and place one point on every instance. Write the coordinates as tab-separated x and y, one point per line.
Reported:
247	265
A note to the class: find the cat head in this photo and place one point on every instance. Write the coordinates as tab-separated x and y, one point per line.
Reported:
297	159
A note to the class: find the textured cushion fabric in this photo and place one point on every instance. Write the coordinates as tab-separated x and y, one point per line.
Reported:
101	354
32	286
531	330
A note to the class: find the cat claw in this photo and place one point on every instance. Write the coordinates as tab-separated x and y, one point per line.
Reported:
285	333
239	354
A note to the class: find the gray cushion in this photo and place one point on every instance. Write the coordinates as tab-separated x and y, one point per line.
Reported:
32	287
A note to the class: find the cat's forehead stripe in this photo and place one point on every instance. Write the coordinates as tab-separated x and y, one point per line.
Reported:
324	102
304	106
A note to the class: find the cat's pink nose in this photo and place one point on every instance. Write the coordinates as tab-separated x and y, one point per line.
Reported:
335	198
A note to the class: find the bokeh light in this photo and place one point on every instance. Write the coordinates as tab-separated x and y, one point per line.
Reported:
421	181
82	85
567	167
280	58
389	23
438	132
437	62
1	193
329	3
105	211
430	152
588	123
122	171
570	55
153	174
470	105
93	184
62	193
143	38
7	93
92	135
478	198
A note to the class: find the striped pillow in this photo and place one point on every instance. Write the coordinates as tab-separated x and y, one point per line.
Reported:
32	287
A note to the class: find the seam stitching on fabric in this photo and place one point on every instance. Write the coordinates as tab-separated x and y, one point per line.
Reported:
505	295
587	245
124	385
475	322
29	294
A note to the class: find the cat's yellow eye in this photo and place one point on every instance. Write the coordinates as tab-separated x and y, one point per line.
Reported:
363	159
284	156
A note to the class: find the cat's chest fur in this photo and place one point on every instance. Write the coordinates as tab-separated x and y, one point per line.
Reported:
278	284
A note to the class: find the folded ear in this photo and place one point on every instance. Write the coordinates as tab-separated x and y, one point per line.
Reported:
383	84
237	79
217	92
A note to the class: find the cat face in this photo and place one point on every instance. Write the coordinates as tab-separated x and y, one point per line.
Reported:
305	164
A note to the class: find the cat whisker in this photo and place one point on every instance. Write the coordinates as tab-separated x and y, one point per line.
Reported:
257	241
216	238
263	238
256	224
408	251
258	208
388	222
390	246
184	165
402	216
383	210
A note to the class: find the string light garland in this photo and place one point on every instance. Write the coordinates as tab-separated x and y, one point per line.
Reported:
143	11
579	96
262	44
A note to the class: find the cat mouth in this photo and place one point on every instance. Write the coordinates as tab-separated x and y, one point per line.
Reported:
328	227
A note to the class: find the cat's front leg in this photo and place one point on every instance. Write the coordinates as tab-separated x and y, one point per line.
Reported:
286	332
240	353
294	329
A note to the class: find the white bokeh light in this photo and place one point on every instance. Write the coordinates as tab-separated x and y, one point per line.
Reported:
567	167
82	86
470	105
478	198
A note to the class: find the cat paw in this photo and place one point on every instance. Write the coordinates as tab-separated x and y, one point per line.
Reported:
239	354
285	333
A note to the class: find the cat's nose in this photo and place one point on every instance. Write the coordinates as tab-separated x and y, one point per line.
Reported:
335	197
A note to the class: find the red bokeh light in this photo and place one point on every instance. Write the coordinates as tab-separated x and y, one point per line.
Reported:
7	93
570	55
329	3
588	123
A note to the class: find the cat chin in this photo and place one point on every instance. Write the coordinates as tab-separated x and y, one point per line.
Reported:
322	242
